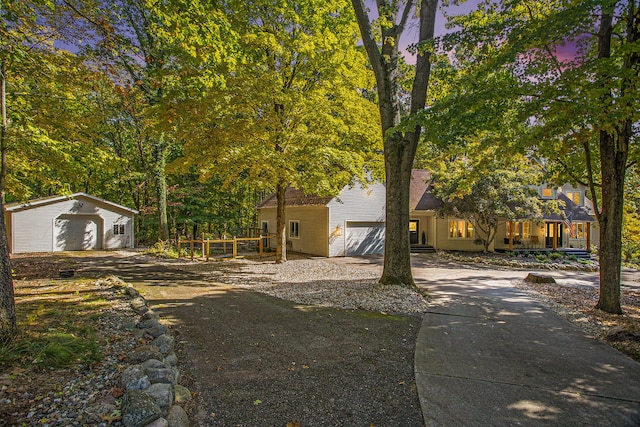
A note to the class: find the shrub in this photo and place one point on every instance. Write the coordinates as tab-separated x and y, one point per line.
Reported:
542	258
162	249
556	255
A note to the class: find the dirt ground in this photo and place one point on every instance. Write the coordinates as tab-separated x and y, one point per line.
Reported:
255	360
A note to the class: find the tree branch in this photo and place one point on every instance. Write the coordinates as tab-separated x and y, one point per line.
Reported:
368	40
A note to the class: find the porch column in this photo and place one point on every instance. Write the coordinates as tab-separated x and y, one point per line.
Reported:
555	235
510	236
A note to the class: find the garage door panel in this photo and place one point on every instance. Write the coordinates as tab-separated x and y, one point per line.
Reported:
75	234
364	238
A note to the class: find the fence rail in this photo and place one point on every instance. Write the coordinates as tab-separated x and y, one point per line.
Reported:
222	245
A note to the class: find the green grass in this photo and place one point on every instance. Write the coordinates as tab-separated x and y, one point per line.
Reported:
56	329
51	350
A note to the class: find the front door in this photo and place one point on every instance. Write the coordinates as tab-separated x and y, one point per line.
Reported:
553	229
413	232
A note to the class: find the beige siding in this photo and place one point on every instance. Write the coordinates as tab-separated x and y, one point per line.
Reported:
444	242
425	225
313	231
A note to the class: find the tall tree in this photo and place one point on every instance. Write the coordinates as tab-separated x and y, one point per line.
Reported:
381	40
292	112
18	36
123	42
582	107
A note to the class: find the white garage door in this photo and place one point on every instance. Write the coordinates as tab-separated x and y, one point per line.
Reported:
76	233
364	238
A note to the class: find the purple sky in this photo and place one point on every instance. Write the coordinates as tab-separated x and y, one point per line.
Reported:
410	35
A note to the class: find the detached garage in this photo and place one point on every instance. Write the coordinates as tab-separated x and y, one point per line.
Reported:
69	223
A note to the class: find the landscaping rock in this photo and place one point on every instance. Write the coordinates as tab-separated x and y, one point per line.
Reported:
171	359
177	417
156	331
139	409
145	353
154	364
182	394
149	315
132	292
160	422
164	343
163	394
139	305
135	378
161	375
149	323
539	278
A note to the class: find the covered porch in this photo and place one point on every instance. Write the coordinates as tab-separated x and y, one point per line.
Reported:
551	235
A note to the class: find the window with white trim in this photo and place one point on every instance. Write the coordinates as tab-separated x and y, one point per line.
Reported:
521	230
294	229
578	230
575	196
460	229
118	229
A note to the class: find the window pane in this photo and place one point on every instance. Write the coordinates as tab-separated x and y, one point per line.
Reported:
121	228
547	192
452	229
469	231
115	228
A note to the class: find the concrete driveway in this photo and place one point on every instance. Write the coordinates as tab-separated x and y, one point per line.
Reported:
487	354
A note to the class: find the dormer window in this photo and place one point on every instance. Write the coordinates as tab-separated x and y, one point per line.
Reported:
547	192
575	196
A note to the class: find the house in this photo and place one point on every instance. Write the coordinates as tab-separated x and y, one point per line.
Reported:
350	224
353	223
68	223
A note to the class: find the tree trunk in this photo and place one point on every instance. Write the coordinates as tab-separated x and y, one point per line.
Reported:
397	250
8	327
614	153
281	226
613	165
161	188
399	149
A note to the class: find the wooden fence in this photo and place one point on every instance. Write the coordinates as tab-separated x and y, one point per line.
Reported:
222	245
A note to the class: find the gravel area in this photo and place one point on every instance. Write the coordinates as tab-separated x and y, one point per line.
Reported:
324	284
83	395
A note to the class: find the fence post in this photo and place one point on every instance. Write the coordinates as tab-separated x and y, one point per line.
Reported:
208	249
260	245
178	246
235	247
191	247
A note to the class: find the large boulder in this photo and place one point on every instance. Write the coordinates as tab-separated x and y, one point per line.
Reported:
134	378
177	417
139	409
163	394
539	278
144	353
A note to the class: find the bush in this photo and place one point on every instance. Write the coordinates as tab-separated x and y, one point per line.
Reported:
162	249
555	256
542	258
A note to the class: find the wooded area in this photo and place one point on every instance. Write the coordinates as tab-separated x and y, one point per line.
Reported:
192	111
